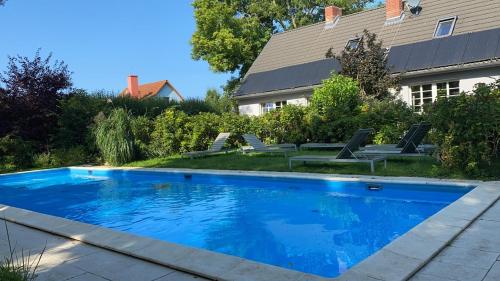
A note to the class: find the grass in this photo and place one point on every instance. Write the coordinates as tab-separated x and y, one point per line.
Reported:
397	166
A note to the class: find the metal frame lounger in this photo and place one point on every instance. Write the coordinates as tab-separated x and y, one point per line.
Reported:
319	145
215	148
258	146
410	149
346	155
404	140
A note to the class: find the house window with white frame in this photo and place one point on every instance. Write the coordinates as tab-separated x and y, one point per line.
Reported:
420	95
270	106
428	93
448	89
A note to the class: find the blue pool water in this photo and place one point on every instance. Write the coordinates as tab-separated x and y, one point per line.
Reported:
315	226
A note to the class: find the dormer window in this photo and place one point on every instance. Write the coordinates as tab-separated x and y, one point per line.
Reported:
352	44
445	27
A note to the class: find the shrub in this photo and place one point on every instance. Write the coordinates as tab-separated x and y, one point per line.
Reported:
237	125
142	127
467	129
61	157
114	137
335	107
150	107
77	111
203	129
286	125
195	106
169	135
389	118
15	153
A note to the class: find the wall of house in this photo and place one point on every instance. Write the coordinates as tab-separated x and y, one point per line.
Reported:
167	92
254	106
468	79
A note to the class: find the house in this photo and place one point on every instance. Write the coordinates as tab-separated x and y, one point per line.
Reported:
438	46
160	89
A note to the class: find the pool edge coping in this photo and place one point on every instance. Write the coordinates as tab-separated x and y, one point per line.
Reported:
410	252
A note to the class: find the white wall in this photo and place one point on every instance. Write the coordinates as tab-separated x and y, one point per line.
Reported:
167	92
252	106
468	79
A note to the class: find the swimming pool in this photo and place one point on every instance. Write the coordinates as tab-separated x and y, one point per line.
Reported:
315	226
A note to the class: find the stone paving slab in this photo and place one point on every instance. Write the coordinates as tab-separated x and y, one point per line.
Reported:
473	255
66	259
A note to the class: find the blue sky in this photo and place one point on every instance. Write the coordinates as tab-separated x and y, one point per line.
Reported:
103	41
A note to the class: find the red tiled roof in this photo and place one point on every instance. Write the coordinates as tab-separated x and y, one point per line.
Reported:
152	89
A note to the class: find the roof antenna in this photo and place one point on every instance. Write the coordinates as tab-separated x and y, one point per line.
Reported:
414	6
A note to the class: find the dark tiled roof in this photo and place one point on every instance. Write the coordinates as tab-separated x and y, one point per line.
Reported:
296	76
310	43
435	53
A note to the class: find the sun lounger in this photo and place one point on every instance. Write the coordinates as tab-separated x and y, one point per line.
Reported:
410	148
317	145
346	155
424	148
257	146
215	148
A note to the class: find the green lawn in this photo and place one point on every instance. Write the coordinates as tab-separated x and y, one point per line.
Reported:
414	167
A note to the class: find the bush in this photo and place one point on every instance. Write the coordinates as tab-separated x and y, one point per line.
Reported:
142	127
286	125
114	137
467	129
15	153
335	107
61	157
203	129
195	106
169	135
77	112
237	125
150	107
389	118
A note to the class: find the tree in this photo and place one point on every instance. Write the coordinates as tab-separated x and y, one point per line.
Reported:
31	96
219	102
230	34
368	65
2	2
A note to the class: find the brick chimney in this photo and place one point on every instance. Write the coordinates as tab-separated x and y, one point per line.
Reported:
133	85
332	12
393	9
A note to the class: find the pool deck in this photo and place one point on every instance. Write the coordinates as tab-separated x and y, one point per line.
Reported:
460	242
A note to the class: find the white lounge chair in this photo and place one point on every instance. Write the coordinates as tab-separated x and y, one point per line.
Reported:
257	146
215	148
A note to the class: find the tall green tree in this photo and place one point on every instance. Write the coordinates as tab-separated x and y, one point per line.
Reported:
231	33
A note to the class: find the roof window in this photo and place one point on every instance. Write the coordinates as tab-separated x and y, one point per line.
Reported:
445	27
352	44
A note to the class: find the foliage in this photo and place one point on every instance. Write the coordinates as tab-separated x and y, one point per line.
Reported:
33	88
150	107
367	64
19	268
203	129
389	118
237	125
335	107
467	129
77	112
194	106
219	103
230	34
142	127
283	126
169	135
114	137
61	157
15	153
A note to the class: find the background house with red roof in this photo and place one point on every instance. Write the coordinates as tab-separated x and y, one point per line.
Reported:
159	89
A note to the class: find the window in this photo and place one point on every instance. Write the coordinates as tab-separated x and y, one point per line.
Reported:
269	106
448	89
424	94
421	95
445	27
352	44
